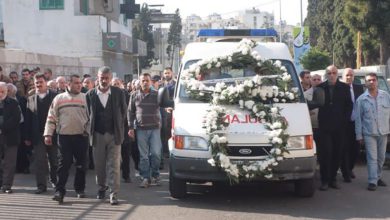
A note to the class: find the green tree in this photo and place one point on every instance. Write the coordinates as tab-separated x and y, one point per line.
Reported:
143	30
174	37
342	38
320	20
315	59
372	16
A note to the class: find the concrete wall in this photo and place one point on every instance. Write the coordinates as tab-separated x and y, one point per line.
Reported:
16	60
52	32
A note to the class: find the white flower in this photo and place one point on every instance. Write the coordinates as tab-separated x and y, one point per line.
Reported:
277	63
283	100
278	151
258	57
291	96
249	104
283	68
222	140
276	100
279	158
254	92
254	53
229	59
262	114
244	51
211	162
215	139
241	88
281	94
274	110
241	103
268	176
294	90
218	65
197	70
209	66
276	125
257	79
255	109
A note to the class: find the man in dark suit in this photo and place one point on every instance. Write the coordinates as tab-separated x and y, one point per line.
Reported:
334	113
38	105
107	106
351	146
9	138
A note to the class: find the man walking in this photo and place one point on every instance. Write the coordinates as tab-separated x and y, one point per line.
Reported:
107	106
351	147
145	111
333	116
38	106
9	138
372	127
68	114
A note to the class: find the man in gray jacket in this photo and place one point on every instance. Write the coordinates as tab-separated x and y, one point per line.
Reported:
107	107
372	126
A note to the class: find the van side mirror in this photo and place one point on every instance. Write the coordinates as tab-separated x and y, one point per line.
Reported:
163	98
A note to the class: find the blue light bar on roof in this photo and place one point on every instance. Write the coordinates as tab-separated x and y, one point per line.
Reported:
267	32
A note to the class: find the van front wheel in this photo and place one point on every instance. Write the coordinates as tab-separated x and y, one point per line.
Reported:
177	187
304	187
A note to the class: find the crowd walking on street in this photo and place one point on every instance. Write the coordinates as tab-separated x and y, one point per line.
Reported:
49	125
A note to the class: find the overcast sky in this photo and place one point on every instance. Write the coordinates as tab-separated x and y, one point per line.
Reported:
229	8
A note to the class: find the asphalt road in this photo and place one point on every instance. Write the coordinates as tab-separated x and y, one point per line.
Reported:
251	201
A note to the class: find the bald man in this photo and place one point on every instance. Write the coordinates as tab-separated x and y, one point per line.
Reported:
351	146
333	116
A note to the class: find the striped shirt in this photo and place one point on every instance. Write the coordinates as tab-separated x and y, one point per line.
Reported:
144	110
68	115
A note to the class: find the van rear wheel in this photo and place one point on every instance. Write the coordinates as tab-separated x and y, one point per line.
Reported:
177	187
304	187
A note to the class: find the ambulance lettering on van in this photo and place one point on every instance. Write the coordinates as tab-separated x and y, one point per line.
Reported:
247	137
231	119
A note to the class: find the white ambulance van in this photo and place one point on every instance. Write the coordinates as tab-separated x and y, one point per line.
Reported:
248	139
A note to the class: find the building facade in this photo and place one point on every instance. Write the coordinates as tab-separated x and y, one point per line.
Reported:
68	36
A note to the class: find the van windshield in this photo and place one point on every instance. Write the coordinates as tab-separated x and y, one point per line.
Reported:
230	76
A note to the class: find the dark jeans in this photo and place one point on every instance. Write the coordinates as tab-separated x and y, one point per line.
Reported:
125	165
330	152
135	151
72	146
350	152
23	158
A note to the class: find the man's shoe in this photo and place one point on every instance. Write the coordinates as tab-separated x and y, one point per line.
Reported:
102	193
347	179
40	191
144	183
334	185
127	180
324	187
8	191
80	194
113	199
59	197
381	183
371	187
155	181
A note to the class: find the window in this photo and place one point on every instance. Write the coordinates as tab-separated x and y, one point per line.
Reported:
51	4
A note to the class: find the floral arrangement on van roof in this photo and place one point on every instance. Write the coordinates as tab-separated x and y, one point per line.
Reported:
271	84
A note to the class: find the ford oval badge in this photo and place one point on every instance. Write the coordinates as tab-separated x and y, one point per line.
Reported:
245	151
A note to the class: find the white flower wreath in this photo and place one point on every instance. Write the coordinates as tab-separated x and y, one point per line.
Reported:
257	95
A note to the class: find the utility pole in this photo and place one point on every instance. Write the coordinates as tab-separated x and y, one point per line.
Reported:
280	20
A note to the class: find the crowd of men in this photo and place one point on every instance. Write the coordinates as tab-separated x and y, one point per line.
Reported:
344	118
50	125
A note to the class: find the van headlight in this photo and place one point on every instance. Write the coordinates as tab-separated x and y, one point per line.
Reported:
300	142
296	142
191	143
